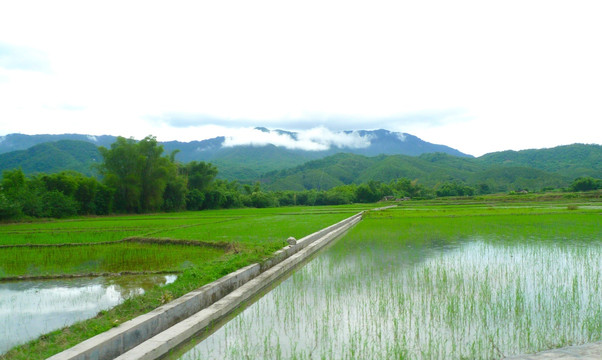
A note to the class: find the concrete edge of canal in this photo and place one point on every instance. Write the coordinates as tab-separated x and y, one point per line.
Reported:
152	335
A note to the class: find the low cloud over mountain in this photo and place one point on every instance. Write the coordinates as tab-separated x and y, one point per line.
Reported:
316	139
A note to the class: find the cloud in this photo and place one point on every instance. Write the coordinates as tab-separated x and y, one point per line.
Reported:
23	58
324	136
316	139
434	117
187	120
312	121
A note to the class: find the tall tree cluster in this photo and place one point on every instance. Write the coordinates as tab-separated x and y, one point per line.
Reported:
138	172
146	180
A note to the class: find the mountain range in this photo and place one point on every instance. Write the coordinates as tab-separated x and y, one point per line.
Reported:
382	155
241	162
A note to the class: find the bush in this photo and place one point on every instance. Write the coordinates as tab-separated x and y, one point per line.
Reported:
454	189
58	205
194	200
103	200
263	200
585	184
8	209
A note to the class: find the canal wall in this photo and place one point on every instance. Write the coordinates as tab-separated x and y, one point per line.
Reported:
152	335
592	351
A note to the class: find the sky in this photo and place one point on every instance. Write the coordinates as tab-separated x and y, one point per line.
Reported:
479	76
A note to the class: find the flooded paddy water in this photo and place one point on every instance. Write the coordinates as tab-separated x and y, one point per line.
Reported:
31	308
475	284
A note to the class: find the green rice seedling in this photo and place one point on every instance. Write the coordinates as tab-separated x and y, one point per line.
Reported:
111	258
479	282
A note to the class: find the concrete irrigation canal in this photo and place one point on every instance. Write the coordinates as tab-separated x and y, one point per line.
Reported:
403	284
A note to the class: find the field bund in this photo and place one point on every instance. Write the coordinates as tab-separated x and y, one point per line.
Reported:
152	335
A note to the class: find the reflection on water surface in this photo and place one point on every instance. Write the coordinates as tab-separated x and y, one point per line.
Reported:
475	297
31	308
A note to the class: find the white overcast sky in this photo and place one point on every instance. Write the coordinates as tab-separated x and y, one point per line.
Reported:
479	76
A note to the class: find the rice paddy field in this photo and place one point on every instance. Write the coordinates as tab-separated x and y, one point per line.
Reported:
177	241
196	247
432	280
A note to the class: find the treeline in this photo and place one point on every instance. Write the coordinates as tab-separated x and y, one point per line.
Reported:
56	195
138	178
586	183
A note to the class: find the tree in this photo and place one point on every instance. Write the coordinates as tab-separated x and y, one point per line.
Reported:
199	174
8	209
585	184
103	200
174	196
194	200
155	174
25	195
58	205
122	172
339	195
64	182
454	189
137	172
13	182
85	194
367	193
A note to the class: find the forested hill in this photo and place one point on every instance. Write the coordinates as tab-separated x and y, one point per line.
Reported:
52	157
16	142
438	168
569	160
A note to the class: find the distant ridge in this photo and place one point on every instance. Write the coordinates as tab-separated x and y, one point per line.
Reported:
52	157
14	142
244	162
573	160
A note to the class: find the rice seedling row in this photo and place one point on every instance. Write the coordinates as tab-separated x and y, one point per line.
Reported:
112	258
438	287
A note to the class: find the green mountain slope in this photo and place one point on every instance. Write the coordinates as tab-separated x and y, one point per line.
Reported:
569	160
249	162
16	142
428	169
53	157
518	178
